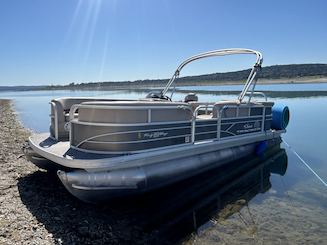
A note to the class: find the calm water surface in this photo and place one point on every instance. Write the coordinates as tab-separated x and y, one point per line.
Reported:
289	207
265	87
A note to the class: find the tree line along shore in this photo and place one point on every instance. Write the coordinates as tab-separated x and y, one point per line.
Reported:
295	73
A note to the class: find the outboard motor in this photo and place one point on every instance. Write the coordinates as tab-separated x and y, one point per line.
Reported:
191	97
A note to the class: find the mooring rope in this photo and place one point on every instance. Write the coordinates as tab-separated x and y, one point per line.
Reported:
306	164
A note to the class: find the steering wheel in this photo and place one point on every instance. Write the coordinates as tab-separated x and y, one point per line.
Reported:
165	97
158	95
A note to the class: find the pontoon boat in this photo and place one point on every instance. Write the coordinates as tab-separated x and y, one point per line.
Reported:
104	148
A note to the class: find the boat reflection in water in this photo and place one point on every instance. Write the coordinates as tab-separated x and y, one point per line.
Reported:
174	212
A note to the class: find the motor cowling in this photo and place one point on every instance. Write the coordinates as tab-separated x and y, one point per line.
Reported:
191	97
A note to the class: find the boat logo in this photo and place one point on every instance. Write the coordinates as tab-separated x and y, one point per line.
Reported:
152	135
256	124
248	125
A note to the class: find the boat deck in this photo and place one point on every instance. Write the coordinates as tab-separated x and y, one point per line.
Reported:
62	153
63	148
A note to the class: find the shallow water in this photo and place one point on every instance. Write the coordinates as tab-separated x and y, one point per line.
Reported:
291	209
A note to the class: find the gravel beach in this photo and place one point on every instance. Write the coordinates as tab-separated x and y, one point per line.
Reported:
35	207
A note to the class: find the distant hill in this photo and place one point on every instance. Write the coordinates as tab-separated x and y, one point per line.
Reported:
294	71
268	72
287	72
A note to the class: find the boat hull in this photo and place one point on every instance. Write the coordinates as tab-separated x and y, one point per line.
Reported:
93	177
102	186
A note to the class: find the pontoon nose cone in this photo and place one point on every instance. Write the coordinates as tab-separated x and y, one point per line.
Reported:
97	186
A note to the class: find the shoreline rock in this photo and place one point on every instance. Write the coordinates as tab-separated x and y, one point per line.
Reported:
36	209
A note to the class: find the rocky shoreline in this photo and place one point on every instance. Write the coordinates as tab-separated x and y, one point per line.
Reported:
35	207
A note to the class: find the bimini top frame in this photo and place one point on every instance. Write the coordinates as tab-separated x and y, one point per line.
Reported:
223	52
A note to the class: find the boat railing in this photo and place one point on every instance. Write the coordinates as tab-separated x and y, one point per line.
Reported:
207	109
54	118
149	109
195	117
251	93
220	111
149	118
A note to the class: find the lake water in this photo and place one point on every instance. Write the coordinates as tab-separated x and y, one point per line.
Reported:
264	87
288	208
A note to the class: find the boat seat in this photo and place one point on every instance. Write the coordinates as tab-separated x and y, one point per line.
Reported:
61	107
195	104
204	116
229	112
243	108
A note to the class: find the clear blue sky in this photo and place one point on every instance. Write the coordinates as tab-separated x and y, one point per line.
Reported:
63	41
